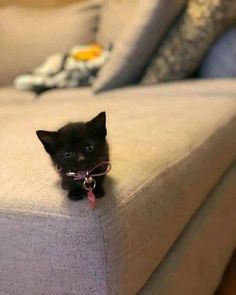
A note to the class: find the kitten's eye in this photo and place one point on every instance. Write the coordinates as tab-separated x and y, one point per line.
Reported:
88	148
69	155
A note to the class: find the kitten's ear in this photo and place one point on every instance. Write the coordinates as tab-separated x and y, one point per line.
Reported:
99	123
48	139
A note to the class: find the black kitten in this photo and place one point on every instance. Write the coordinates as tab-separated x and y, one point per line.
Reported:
78	147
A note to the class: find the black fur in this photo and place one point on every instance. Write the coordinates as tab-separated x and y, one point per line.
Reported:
77	147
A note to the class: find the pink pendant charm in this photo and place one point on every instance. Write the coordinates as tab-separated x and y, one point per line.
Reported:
91	199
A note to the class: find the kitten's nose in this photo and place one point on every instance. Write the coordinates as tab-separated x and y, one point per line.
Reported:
81	157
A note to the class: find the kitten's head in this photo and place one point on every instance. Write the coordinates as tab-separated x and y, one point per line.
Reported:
77	146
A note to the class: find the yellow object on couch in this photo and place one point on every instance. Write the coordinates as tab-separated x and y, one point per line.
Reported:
87	52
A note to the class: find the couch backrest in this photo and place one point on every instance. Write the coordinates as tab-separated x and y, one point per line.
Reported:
29	35
41	3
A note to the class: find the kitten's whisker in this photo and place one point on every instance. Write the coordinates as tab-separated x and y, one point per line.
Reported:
70	173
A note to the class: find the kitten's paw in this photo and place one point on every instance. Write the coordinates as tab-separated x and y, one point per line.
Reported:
75	195
64	185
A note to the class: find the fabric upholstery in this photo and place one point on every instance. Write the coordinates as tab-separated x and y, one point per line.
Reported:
10	95
186	44
115	16
46	254
221	58
157	183
29	35
136	43
196	262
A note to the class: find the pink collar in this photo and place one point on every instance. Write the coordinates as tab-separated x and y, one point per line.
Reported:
81	175
89	183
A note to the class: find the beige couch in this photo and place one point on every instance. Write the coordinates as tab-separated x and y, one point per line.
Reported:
167	224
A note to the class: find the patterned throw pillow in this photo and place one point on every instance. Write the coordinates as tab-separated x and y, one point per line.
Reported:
76	68
186	44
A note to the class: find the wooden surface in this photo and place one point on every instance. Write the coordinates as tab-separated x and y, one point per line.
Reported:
228	284
35	3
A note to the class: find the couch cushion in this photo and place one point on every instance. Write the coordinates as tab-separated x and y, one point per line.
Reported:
10	95
27	34
136	42
196	262
167	152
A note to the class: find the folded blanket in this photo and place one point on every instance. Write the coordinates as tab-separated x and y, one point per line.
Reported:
77	68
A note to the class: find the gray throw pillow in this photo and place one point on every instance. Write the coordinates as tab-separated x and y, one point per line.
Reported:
221	58
115	16
135	46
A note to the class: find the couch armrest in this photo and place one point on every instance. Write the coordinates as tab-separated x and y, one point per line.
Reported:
167	150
